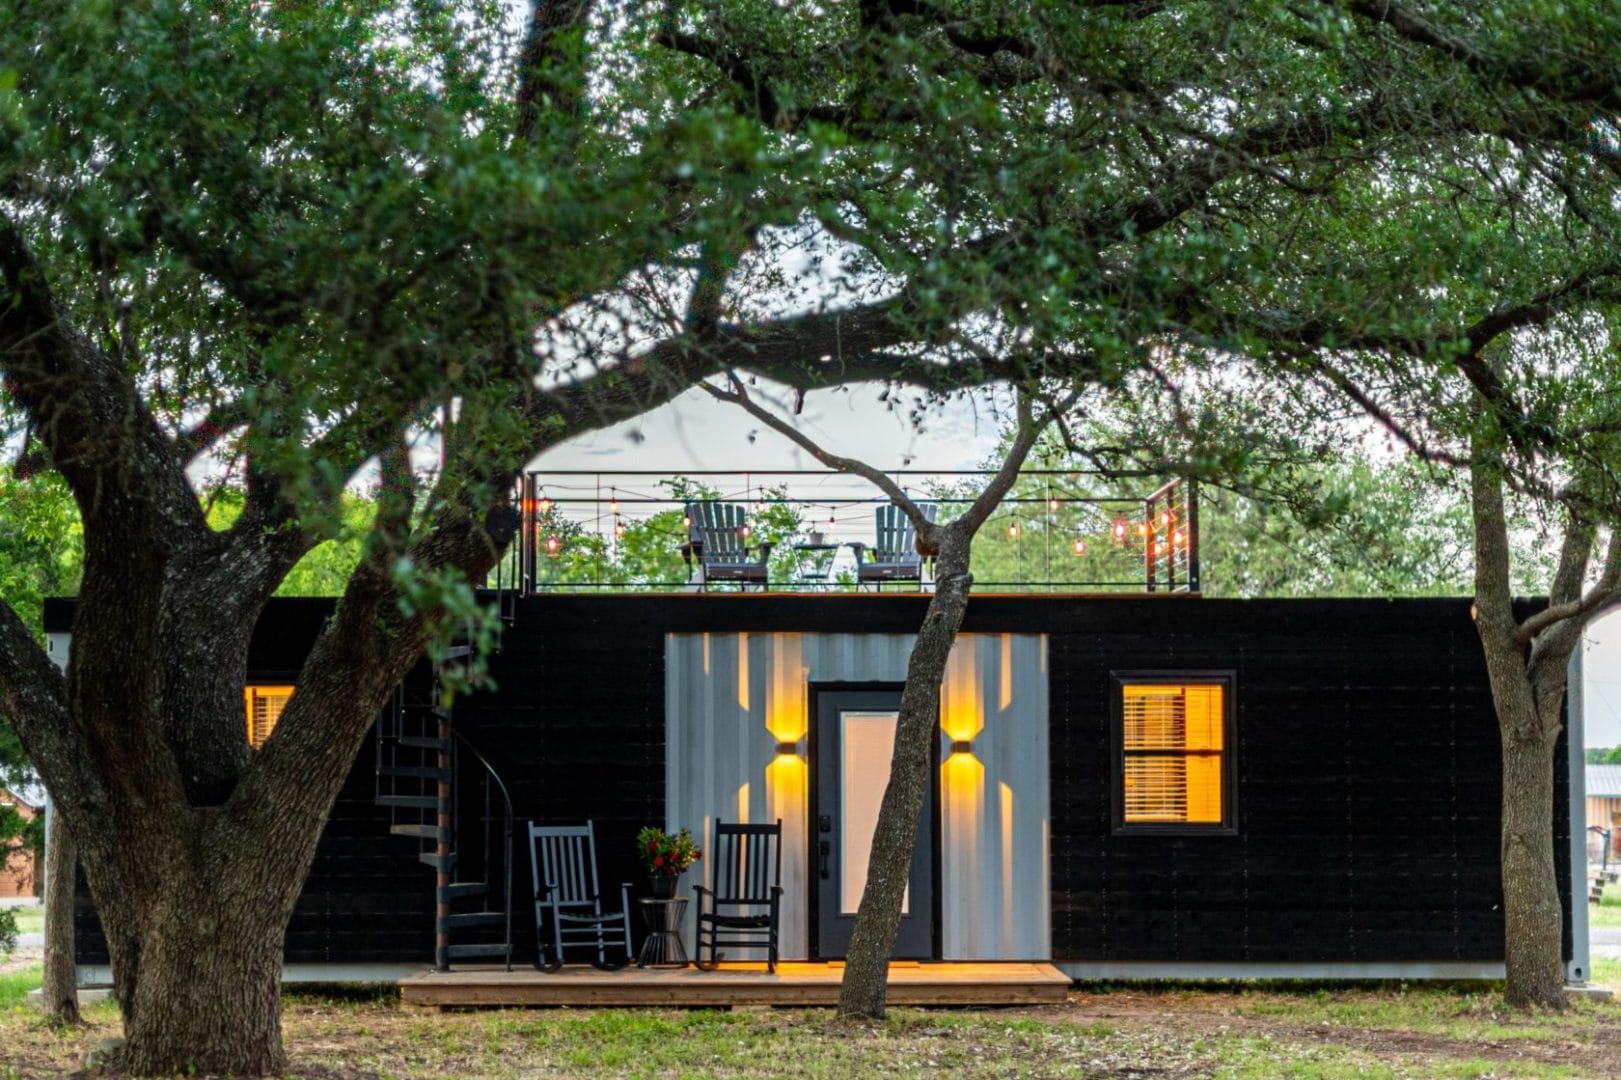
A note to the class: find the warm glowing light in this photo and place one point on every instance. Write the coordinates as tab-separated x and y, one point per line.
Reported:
1142	528
1080	546
686	519
1176	538
545	504
1165	517
613	501
1013	528
1052	502
743	530
619	527
1119	530
554	546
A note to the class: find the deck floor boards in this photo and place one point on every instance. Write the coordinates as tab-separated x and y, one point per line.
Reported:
794	984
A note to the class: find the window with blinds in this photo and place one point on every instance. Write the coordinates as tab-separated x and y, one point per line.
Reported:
1173	747
265	705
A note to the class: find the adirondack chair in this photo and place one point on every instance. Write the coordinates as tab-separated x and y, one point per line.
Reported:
568	903
741	910
894	557
717	537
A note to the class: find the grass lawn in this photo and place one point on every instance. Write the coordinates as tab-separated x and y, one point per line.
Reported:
1227	1031
30	919
1607	912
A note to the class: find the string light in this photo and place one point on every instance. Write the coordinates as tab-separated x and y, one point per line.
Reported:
619	526
743	530
554	546
1013	528
1119	530
613	501
545	504
1176	538
1052	503
1080	546
686	519
1165	517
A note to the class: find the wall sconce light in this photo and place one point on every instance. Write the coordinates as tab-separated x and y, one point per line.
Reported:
962	746
787	748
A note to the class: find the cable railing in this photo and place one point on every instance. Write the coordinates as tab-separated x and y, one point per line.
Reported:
1057	531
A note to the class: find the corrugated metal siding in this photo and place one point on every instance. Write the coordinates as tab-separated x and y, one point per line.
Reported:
731	698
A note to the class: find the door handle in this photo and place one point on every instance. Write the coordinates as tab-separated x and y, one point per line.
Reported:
823	849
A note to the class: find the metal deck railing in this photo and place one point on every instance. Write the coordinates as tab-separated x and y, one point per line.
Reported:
1058	531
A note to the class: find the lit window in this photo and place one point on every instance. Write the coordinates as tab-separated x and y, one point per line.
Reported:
265	706
1173	739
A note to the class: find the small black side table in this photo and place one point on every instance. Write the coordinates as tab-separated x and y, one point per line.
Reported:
663	919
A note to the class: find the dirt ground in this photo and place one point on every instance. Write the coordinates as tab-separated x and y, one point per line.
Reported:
1239	1032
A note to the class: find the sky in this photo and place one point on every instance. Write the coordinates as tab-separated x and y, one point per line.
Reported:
1601	684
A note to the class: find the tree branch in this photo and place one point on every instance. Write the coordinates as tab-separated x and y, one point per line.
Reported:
1602	592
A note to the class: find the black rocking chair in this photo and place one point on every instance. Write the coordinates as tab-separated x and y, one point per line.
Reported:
895	556
717	533
563	867
747	860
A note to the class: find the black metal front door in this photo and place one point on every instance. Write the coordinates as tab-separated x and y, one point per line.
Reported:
854	739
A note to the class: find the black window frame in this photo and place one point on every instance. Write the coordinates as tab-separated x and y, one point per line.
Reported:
1228	825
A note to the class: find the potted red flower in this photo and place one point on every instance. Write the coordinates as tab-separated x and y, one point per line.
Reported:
667	856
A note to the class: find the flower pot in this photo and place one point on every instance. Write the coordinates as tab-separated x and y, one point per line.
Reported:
664	886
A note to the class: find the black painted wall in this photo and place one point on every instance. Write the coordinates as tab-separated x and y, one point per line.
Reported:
1367	766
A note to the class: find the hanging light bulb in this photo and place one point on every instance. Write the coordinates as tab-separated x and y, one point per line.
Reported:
743	530
1080	545
1052	503
1165	518
613	501
545	504
1142	528
1013	528
1176	538
619	526
686	520
554	546
1119	530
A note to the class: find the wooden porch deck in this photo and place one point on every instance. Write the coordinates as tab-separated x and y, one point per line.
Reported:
794	984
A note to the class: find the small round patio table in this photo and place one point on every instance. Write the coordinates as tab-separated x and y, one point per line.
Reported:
663	919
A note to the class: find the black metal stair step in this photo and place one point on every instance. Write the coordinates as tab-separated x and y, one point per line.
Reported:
426	832
472	952
449	861
459	920
461	890
416	802
425	772
425	742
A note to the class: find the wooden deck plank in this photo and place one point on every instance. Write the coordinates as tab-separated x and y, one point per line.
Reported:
802	984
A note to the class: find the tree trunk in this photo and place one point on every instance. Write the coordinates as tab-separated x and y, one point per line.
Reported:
1532	917
60	996
865	987
205	995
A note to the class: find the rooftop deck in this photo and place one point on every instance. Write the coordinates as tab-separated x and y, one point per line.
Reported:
1061	532
793	984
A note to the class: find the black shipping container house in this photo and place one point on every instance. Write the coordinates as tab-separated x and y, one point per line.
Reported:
1146	786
